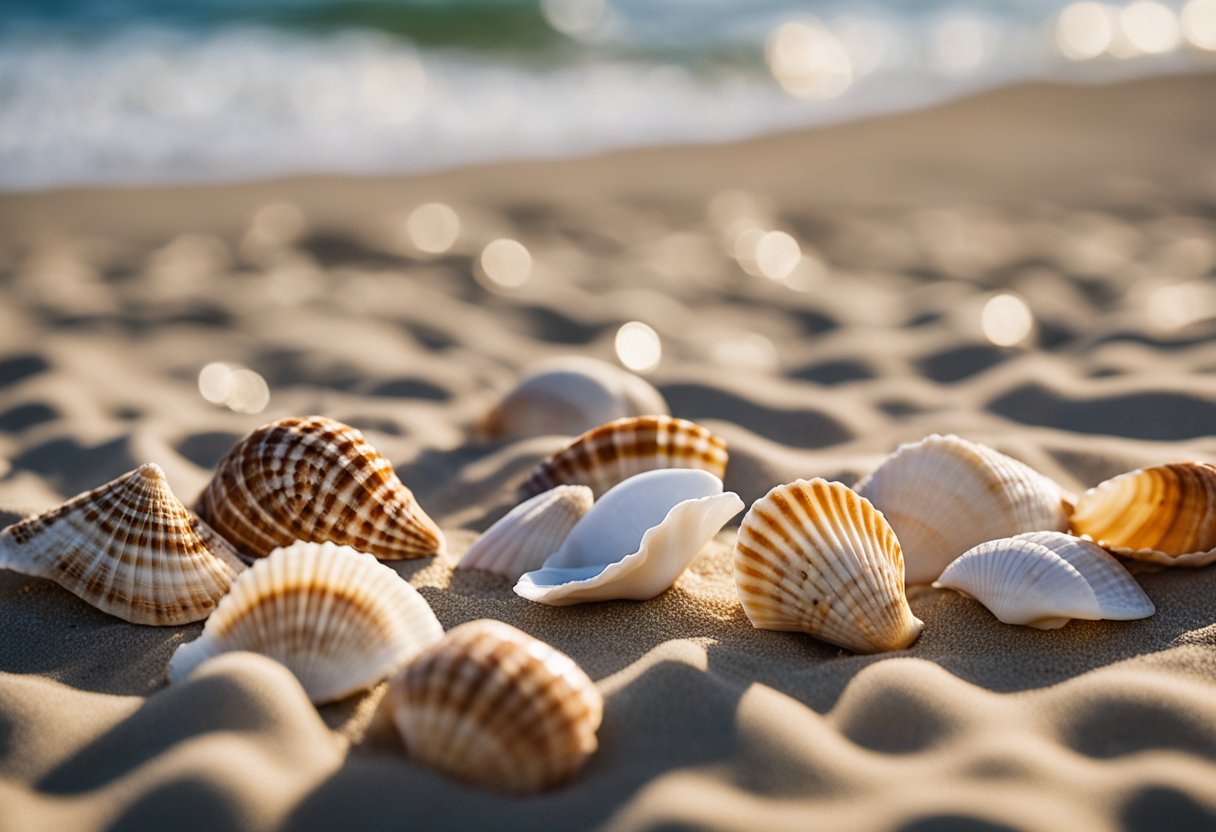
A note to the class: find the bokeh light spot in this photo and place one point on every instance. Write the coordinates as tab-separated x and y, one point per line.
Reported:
777	255
1006	320
249	394
808	61
215	382
433	227
638	347
1150	27
1198	21
506	262
575	18
1085	30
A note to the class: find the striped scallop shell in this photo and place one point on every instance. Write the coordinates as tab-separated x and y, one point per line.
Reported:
814	557
613	452
315	479
943	495
336	618
1043	579
129	548
493	706
1165	514
529	533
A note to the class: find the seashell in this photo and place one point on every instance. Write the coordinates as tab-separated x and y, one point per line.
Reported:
336	618
635	541
610	453
943	495
1165	514
522	539
814	557
1042	579
129	548
569	396
493	706
315	479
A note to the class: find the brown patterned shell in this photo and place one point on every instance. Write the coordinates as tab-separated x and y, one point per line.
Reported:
494	706
129	548
318	480
1165	514
615	451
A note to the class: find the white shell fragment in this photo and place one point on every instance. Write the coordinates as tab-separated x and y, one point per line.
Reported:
1043	579
529	533
636	540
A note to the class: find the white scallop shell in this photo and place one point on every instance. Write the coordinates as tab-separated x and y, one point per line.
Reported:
636	540
1042	579
529	533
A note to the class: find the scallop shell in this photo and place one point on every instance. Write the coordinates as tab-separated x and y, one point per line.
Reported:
635	541
568	396
610	453
315	479
129	548
1043	579
336	618
814	557
494	706
943	495
1165	514
522	539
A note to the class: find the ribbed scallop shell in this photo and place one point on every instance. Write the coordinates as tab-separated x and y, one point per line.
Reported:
129	548
336	618
943	495
315	479
610	453
529	533
493	706
1165	514
1043	579
814	557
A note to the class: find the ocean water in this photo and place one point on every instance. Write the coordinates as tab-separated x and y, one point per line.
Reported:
135	91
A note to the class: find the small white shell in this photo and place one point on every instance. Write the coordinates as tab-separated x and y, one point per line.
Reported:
1042	579
529	533
636	540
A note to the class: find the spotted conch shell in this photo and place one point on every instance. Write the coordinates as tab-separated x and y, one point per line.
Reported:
943	495
336	618
1044	579
493	706
315	479
613	452
1164	514
129	548
814	557
568	396
526	535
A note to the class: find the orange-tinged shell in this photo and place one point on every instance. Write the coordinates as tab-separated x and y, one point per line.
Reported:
129	548
615	451
494	706
318	480
1165	514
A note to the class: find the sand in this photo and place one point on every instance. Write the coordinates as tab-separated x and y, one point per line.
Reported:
1092	204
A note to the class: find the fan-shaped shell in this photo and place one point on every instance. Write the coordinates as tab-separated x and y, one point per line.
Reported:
494	706
812	556
1042	579
336	618
611	453
129	548
635	541
315	479
522	539
943	495
1165	514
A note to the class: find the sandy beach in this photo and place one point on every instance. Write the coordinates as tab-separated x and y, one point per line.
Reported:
1096	206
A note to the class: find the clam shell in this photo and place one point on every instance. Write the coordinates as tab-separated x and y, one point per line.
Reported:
129	548
1042	579
522	539
315	479
494	706
943	495
814	557
635	541
568	396
613	452
1165	514
336	618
